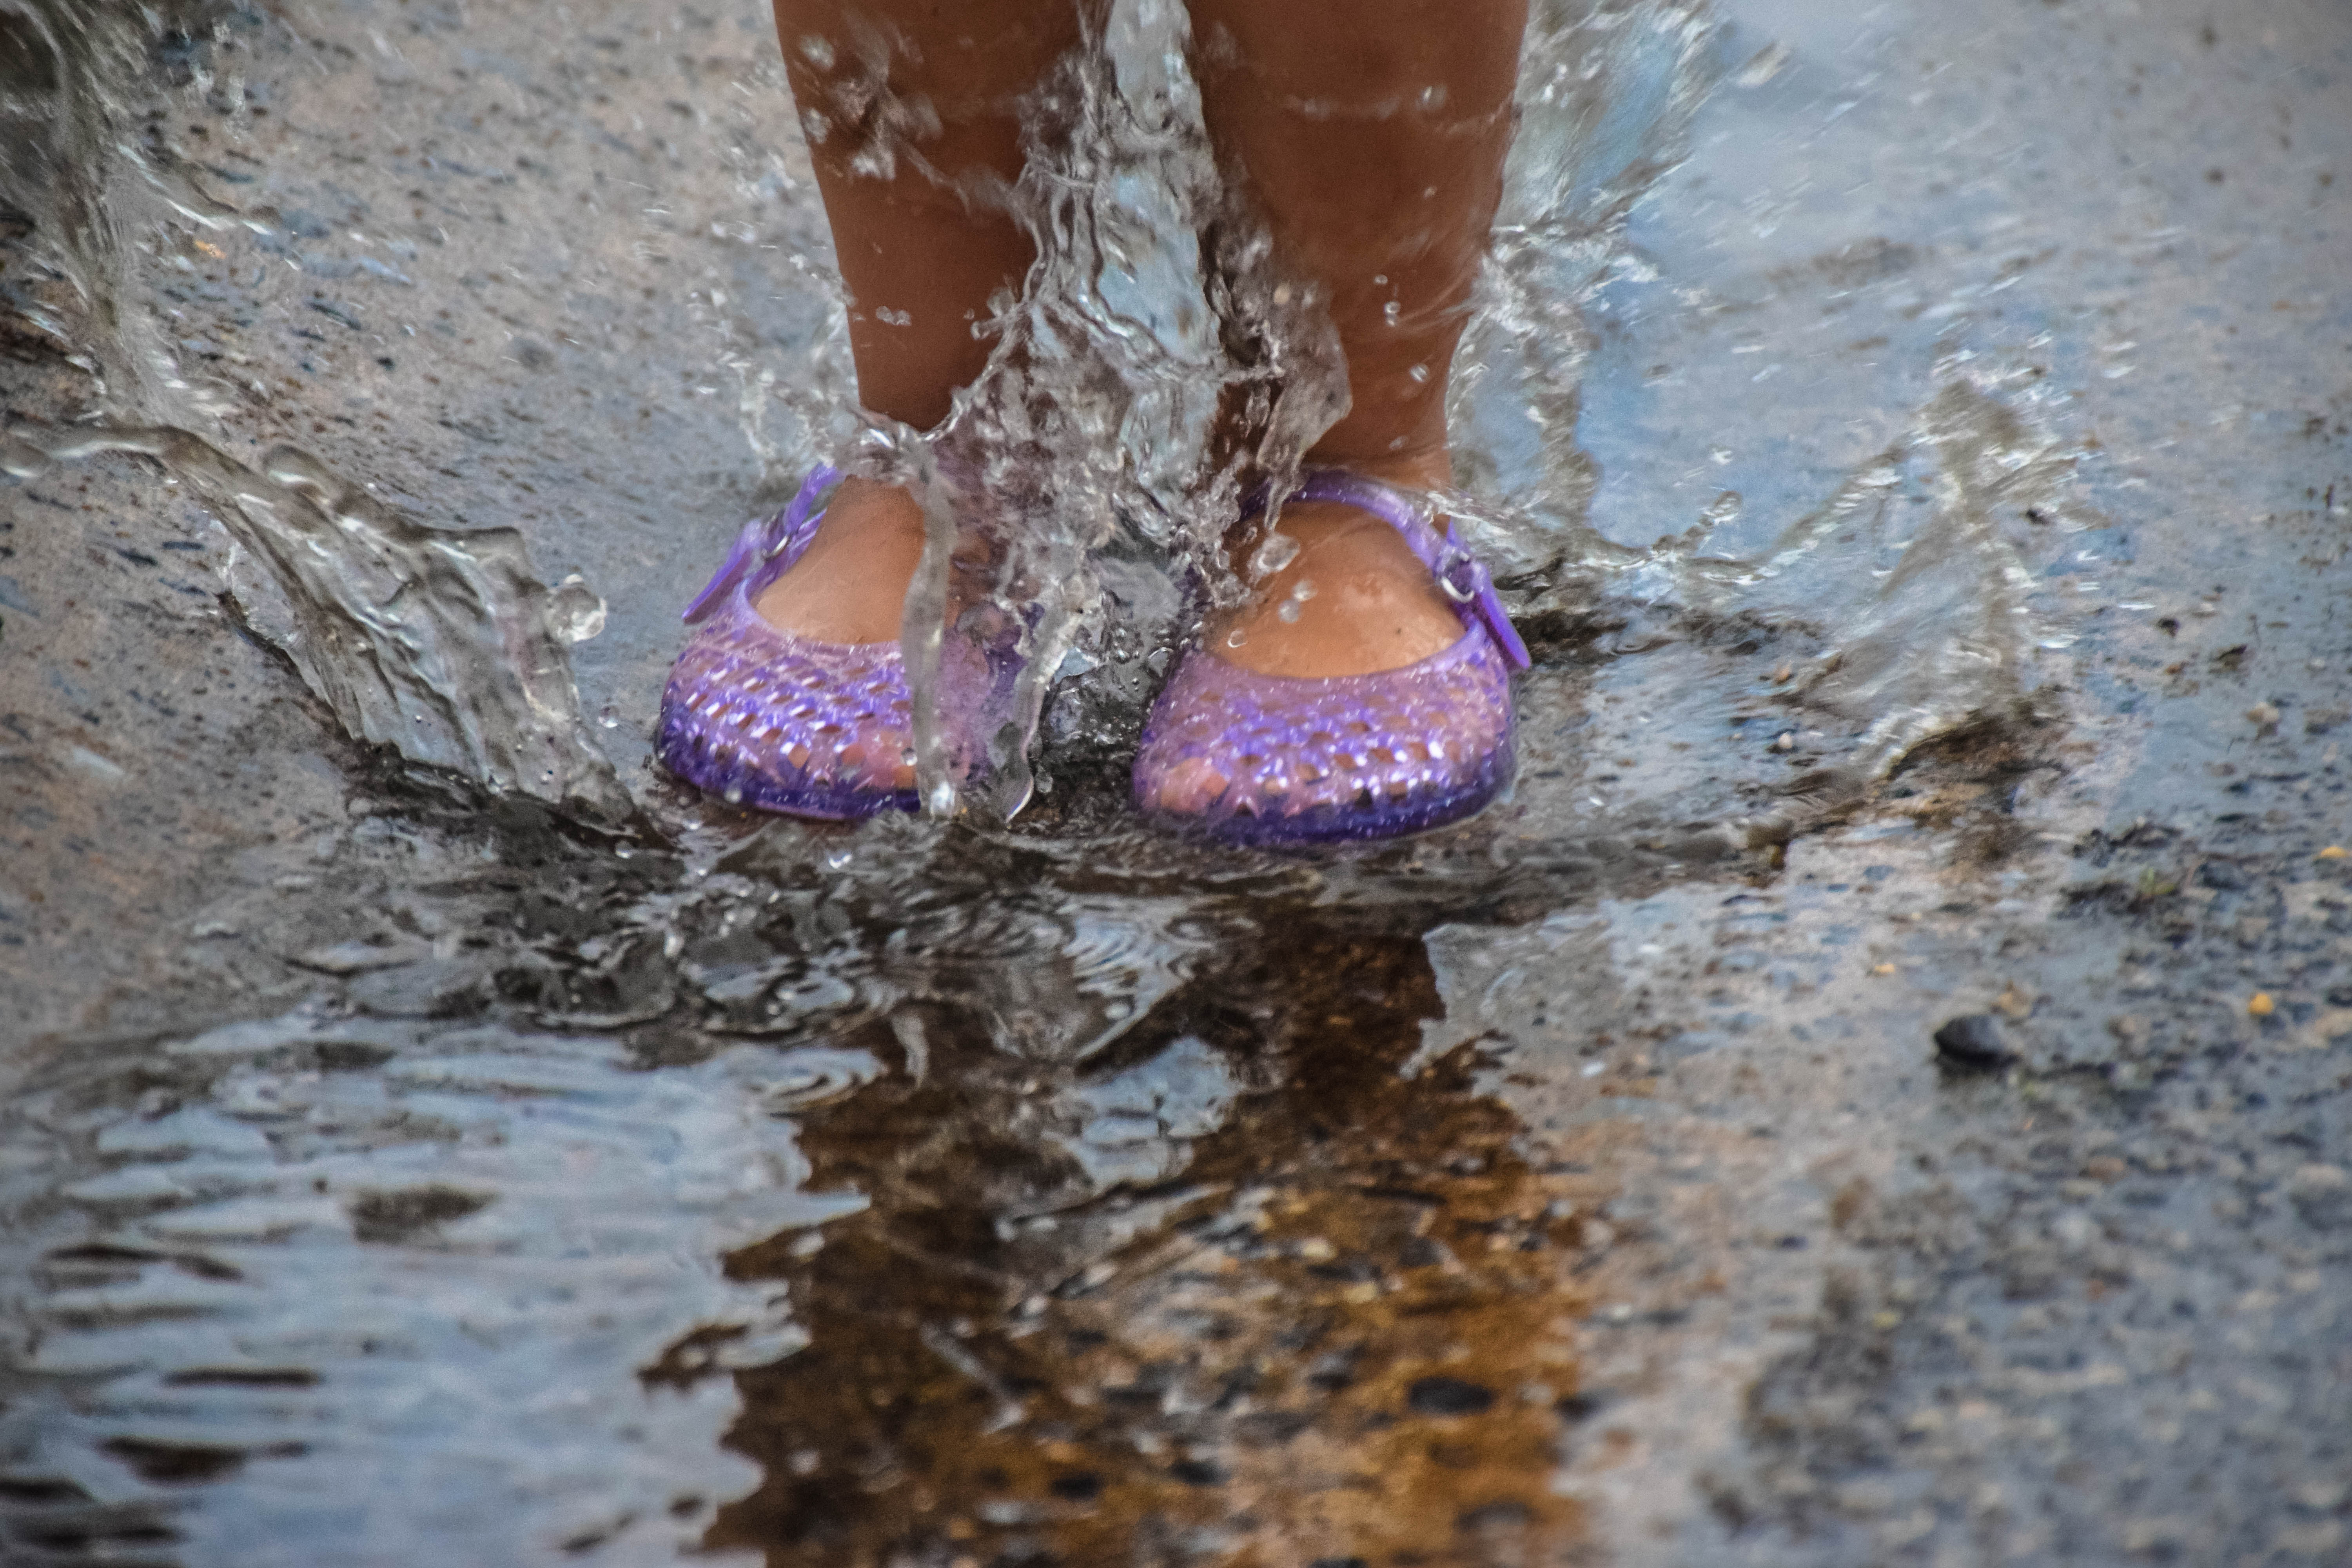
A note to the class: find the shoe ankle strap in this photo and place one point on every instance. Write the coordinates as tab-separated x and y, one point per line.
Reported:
1461	575
767	542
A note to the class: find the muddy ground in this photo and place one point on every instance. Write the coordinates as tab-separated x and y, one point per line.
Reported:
396	1173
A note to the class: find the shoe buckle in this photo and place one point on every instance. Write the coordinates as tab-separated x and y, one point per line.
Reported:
1461	575
1467	580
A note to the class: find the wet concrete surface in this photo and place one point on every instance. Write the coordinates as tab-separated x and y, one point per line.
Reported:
397	1174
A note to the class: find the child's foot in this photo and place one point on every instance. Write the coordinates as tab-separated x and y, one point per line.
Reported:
1354	601
1388	710
790	694
850	584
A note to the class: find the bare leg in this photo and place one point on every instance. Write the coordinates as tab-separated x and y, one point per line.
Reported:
884	85
1371	135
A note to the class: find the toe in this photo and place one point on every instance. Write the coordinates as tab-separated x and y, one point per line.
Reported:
1190	787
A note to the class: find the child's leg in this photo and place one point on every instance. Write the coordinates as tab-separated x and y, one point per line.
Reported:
883	86
1371	135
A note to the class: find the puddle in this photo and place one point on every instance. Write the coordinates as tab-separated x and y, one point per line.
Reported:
896	1195
1017	1226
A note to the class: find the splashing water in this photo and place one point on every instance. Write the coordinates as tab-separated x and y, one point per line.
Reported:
1081	458
439	644
1080	461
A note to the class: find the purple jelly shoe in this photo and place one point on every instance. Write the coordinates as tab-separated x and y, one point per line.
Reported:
1307	761
777	722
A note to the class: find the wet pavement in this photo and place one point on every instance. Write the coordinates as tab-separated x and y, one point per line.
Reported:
1728	1150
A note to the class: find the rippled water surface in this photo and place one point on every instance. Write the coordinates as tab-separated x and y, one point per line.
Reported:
435	1136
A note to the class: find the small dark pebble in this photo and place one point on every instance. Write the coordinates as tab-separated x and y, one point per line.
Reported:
1448	1396
1973	1043
1084	1487
1197	1473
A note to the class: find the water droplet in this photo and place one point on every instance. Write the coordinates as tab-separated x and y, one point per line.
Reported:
1236	638
835	859
942	800
575	613
1420	375
1288	612
1303	590
1391	313
21	458
1278	551
607	718
1723	509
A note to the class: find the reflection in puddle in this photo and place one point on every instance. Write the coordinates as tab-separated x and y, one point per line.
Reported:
1256	1298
